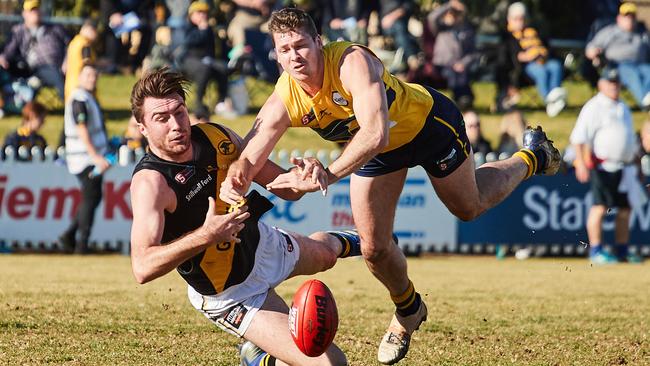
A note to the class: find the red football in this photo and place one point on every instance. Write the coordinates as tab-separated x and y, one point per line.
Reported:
313	318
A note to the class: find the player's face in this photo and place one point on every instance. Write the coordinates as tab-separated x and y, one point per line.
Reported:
167	127
298	53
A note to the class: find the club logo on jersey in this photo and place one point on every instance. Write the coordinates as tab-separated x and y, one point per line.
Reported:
236	315
448	160
338	99
184	175
226	147
307	118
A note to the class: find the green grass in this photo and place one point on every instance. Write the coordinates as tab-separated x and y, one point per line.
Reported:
89	311
114	92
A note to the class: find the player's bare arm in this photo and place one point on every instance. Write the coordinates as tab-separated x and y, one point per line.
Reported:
150	198
271	122
269	171
361	74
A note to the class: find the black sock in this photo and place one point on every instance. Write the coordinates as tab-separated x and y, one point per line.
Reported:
408	303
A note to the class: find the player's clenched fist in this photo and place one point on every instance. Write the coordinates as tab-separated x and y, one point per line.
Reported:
223	228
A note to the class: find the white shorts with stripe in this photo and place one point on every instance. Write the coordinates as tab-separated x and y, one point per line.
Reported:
233	309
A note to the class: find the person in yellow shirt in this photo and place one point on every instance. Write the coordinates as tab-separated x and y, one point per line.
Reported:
343	92
80	53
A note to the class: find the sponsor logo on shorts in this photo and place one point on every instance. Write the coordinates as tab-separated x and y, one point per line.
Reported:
448	160
184	175
338	99
236	315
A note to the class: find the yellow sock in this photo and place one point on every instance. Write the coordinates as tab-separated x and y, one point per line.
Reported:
530	159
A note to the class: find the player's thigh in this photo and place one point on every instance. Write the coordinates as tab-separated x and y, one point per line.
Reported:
458	190
373	201
269	330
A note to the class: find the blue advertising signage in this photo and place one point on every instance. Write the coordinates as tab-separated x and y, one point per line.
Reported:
548	210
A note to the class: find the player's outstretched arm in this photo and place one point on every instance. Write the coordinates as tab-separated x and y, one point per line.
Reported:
361	74
150	198
271	122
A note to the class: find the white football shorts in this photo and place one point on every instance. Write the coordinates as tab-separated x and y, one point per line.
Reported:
233	309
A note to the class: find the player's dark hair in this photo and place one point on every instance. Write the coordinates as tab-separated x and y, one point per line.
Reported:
156	84
291	19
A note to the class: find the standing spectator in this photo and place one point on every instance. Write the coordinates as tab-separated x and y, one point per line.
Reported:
38	47
474	134
645	137
80	53
605	144
522	50
626	45
513	126
27	134
86	144
454	50
199	64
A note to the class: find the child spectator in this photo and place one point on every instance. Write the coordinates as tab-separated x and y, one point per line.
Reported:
27	134
161	52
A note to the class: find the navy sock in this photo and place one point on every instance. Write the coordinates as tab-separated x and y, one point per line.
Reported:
350	243
595	250
622	251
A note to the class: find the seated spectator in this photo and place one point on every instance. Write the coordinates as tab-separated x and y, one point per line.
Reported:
523	50
625	44
513	125
27	134
128	32
80	53
133	138
395	15
162	51
249	14
199	64
473	127
346	21
36	49
454	51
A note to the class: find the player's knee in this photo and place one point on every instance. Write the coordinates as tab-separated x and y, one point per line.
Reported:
375	251
467	213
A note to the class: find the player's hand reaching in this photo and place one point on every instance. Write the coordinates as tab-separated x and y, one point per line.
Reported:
235	185
223	228
307	175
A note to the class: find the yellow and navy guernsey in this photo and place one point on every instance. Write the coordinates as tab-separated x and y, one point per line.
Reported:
330	112
221	265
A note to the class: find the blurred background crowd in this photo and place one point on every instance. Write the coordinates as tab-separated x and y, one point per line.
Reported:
522	47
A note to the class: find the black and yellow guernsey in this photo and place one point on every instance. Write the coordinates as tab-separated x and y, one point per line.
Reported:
221	265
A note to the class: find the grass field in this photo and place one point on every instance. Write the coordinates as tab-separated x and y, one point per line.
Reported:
89	311
114	92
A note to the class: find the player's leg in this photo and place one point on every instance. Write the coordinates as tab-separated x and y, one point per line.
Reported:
466	191
270	332
320	250
374	200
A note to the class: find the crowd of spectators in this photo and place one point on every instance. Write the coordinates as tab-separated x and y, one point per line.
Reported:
217	42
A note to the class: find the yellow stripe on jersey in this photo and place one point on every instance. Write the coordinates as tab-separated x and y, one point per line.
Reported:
330	112
218	259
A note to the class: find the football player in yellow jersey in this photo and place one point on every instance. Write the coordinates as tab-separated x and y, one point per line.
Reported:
230	260
344	93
